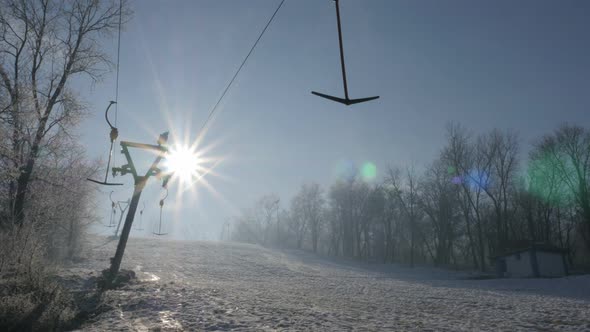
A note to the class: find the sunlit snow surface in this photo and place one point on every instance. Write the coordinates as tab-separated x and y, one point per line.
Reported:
224	286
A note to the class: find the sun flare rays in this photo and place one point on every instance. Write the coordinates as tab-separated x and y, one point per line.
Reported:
183	163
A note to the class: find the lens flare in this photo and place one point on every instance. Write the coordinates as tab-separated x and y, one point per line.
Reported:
369	171
346	169
478	179
183	163
451	170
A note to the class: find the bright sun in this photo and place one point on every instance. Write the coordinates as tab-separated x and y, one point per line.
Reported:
183	162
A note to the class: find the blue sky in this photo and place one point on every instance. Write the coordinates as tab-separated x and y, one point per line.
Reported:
522	65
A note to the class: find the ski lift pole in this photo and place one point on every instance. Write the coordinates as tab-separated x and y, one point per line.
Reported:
139	183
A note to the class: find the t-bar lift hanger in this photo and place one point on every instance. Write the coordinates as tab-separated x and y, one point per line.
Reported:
159	232
141	217
113	211
113	136
346	101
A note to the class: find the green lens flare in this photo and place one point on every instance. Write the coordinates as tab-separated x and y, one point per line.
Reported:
545	181
451	170
369	171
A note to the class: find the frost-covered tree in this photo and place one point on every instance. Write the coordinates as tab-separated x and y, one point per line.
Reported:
44	44
307	207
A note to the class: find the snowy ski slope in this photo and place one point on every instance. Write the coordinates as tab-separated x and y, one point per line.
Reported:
230	286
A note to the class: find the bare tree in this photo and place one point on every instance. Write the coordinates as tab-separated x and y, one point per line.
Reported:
334	225
372	227
406	192
464	163
349	200
311	202
342	217
267	207
543	192
391	222
567	153
297	222
499	151
43	45
439	203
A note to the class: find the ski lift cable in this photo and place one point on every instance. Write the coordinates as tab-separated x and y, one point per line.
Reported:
118	62
214	109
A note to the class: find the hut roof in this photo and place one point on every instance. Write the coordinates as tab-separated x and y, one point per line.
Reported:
537	246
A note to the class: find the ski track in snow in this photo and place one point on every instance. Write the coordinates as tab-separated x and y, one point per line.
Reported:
228	286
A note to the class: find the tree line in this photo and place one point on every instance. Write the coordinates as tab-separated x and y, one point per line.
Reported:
478	198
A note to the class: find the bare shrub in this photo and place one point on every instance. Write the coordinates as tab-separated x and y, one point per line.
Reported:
31	297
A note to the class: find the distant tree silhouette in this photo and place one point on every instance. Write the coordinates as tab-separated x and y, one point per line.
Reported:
473	201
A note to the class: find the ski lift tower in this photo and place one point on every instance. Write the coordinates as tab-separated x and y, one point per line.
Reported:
140	181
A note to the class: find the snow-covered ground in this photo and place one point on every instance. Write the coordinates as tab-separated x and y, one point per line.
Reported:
230	286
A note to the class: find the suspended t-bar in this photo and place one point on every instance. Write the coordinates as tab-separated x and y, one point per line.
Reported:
139	183
141	217
346	101
122	210
113	211
113	136
159	232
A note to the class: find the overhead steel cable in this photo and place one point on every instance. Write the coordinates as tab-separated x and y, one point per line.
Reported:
114	131
118	59
214	109
118	62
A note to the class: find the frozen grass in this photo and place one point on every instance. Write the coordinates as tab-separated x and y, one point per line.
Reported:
229	286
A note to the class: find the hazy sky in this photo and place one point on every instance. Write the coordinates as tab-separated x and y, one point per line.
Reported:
523	65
